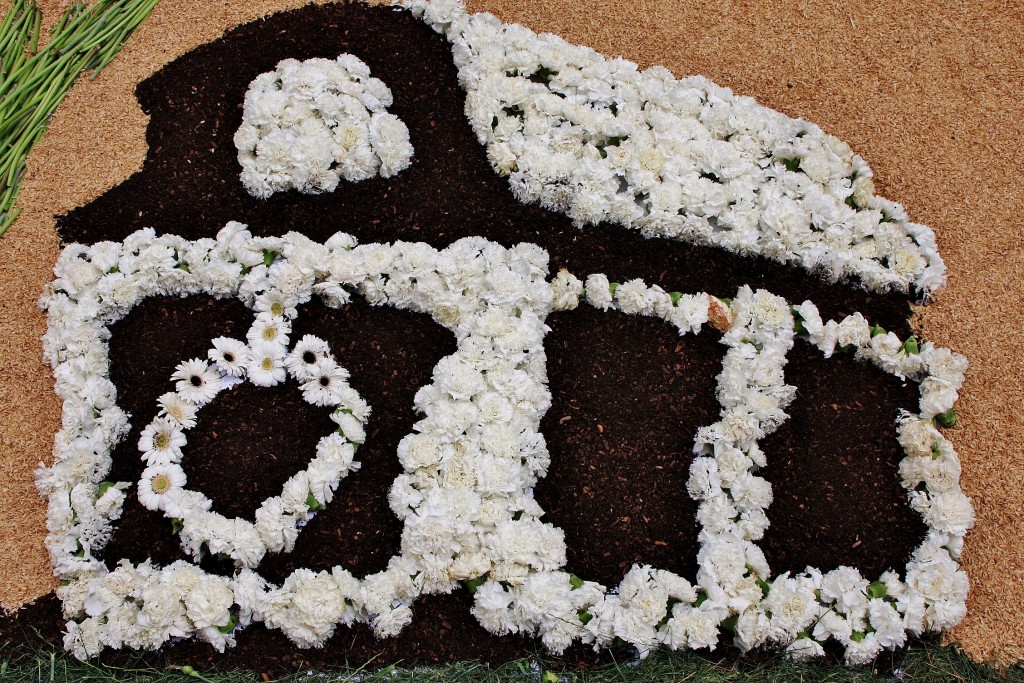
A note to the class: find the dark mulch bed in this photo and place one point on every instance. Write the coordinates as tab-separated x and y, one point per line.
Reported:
628	393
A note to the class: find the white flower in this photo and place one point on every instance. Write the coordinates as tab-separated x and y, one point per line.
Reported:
231	356
566	289
326	383
175	408
417	451
632	297
918	437
269	329
196	382
208	603
161	442
158	482
304	357
599	292
792	605
853	331
266	364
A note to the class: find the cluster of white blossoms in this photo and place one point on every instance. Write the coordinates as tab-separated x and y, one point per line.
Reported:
578	133
471	462
264	361
600	140
306	125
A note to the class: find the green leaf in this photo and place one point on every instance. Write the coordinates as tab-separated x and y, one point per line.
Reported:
910	346
472	584
857	636
877	330
312	503
176	525
612	286
676	296
792	164
584	616
729	625
549	677
104	487
947	419
701	599
575	581
230	626
764	586
877	590
268	256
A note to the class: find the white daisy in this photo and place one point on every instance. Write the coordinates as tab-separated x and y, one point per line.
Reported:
161	442
196	381
174	407
157	482
305	356
231	356
269	328
266	365
323	387
277	303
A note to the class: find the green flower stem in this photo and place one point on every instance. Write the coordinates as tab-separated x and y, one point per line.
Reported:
33	81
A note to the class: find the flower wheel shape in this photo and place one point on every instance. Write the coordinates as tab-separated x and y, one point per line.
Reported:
263	361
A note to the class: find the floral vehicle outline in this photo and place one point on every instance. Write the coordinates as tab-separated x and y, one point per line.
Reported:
553	604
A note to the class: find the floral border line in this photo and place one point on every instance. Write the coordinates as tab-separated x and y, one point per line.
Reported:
599	140
470	465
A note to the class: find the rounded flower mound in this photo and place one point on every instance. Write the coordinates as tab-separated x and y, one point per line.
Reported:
306	125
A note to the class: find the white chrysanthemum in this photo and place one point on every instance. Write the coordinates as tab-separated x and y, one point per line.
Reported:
231	356
196	382
157	482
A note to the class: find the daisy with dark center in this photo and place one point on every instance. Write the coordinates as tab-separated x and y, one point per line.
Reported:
196	382
324	387
305	356
231	356
157	482
175	408
269	328
161	442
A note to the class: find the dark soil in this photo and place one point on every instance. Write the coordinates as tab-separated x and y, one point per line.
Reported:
633	391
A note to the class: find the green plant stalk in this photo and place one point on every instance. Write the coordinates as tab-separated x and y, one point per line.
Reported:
34	82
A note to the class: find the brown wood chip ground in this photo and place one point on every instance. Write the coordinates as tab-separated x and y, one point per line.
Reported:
927	92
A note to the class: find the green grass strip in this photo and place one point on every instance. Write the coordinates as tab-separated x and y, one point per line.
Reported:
924	662
33	81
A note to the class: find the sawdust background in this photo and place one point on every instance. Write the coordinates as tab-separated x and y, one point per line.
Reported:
927	92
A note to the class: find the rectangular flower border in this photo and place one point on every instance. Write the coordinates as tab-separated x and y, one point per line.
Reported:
470	466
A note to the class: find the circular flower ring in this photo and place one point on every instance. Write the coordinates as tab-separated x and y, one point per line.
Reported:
264	362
